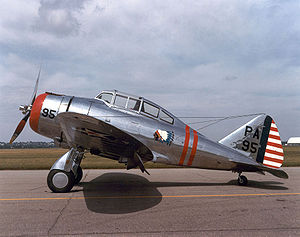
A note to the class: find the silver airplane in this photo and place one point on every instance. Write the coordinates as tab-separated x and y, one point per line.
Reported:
134	130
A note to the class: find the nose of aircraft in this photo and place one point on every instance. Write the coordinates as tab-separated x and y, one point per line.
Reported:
36	111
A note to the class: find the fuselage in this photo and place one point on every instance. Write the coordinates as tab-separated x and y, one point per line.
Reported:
169	139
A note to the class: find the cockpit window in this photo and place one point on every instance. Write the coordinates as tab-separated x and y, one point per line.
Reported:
120	101
134	104
150	109
165	117
106	97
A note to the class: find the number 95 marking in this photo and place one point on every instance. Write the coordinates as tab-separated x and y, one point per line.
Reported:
250	145
49	113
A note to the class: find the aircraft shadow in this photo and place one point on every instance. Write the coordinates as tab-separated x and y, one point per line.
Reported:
120	193
269	185
252	184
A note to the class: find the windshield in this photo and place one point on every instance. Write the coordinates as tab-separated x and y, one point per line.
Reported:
105	97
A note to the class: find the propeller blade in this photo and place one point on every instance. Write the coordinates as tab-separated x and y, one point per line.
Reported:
19	129
35	87
26	109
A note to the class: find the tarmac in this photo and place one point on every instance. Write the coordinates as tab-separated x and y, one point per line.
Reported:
169	202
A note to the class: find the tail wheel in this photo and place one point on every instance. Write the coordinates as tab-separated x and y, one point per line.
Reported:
79	175
242	180
60	181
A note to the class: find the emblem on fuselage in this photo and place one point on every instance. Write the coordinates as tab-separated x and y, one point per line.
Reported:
164	136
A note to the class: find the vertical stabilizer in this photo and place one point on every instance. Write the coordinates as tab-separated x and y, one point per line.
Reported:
259	139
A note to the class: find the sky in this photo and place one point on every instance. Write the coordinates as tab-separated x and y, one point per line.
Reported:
194	58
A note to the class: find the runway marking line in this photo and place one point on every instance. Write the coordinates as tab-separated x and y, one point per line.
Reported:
163	196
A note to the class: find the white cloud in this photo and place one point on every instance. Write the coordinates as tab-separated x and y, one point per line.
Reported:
193	57
57	17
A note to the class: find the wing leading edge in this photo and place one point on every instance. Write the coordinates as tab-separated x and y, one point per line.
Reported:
100	137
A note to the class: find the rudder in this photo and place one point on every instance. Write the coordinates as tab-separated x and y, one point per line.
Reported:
270	152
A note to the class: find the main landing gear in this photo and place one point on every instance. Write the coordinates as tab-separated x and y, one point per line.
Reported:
66	172
242	180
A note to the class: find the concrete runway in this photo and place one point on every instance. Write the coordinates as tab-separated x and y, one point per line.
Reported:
170	202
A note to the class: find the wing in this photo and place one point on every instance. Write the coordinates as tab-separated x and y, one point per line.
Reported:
100	137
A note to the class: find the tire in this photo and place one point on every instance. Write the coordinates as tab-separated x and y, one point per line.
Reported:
242	180
60	181
79	175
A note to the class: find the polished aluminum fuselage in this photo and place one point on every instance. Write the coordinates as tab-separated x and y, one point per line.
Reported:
188	148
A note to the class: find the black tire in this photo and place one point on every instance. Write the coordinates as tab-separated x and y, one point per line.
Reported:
242	180
79	175
60	181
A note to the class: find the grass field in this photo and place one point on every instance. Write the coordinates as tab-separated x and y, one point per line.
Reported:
18	159
291	156
44	158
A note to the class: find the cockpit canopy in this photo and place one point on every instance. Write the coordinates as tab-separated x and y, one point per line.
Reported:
135	104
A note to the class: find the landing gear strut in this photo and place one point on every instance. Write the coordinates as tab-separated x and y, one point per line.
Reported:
66	172
242	180
79	175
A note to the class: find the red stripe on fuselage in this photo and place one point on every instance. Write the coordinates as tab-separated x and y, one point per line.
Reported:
194	148
186	144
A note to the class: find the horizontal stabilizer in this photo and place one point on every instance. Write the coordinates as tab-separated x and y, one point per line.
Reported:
277	172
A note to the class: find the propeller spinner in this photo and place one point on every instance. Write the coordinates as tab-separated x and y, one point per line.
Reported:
26	109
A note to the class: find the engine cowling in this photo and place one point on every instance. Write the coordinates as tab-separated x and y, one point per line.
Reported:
43	113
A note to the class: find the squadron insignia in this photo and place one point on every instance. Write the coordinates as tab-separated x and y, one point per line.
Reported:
164	136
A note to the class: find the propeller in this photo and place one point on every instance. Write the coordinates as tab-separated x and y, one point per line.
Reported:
26	109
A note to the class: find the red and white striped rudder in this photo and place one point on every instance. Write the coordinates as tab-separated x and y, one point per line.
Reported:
273	156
